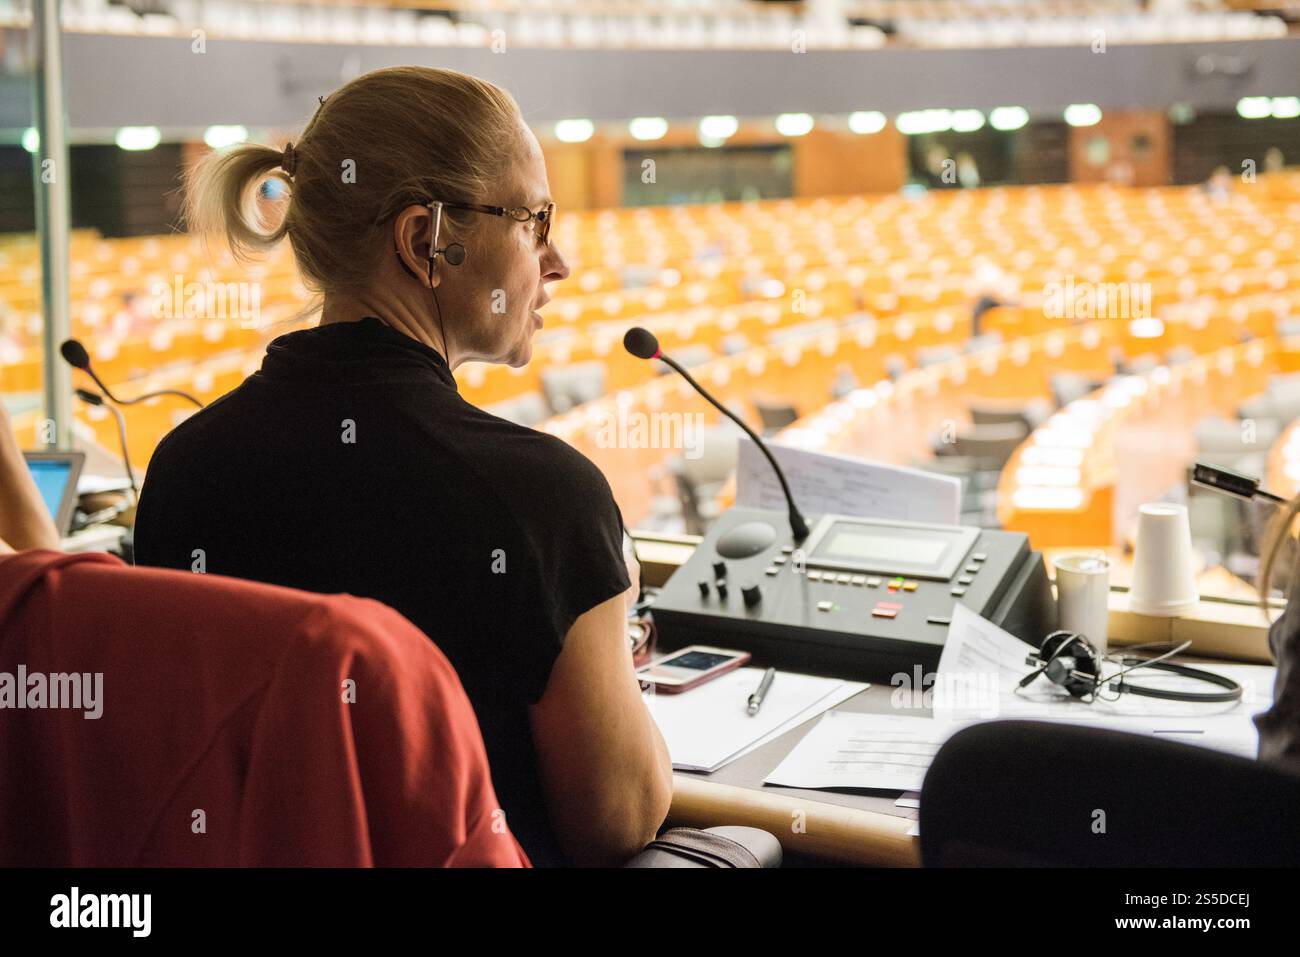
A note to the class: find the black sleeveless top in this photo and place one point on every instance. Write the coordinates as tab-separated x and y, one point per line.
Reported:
350	463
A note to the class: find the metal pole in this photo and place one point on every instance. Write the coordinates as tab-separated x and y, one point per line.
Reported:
53	218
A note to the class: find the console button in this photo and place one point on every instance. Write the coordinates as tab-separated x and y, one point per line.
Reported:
885	612
958	592
752	595
825	605
964	580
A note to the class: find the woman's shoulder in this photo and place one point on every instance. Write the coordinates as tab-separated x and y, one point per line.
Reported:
539	477
533	455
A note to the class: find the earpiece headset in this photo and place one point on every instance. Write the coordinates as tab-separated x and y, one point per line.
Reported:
1069	660
453	253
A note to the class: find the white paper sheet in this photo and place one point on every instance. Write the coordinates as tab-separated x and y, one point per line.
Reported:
708	727
838	484
851	750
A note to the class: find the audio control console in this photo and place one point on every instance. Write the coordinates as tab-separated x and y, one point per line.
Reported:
861	598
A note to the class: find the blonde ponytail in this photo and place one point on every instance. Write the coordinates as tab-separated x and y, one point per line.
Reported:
221	198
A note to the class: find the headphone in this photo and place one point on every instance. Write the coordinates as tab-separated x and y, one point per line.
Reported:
1069	660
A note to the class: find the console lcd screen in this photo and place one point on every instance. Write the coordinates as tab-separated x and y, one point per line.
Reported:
865	545
890	548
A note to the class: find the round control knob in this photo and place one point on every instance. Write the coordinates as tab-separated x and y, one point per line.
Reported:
722	589
704	589
719	570
752	595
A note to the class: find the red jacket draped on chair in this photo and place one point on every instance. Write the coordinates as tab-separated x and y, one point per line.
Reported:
239	724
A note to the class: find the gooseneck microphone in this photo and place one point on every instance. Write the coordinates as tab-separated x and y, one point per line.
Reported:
94	398
642	343
75	355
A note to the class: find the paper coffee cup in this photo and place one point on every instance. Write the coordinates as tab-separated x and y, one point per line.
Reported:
1083	595
1164	579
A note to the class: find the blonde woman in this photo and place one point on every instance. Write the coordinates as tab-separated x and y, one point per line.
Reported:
418	206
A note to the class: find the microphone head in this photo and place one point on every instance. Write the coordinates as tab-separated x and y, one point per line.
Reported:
75	354
641	343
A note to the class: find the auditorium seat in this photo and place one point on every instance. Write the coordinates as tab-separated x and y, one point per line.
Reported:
1278	405
1031	414
986	341
688	357
567	386
528	409
1066	387
701	473
734	344
775	415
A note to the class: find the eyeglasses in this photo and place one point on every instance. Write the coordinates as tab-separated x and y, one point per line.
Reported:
520	214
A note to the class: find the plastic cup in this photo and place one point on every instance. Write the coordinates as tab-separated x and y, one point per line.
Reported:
1164	579
1083	595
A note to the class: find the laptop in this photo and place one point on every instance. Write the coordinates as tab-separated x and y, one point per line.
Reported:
56	475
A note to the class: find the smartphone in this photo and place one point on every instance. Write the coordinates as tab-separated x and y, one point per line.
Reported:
689	667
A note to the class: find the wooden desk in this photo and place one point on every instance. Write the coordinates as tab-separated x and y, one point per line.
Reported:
865	828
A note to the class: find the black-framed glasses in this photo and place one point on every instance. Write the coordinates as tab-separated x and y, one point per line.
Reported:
520	214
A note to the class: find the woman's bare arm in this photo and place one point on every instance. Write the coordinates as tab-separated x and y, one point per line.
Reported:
604	765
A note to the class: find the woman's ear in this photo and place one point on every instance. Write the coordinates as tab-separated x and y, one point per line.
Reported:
411	240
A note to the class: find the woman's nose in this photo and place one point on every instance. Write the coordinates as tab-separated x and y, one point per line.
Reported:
554	265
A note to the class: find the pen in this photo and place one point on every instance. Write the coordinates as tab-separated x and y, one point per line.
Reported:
756	699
